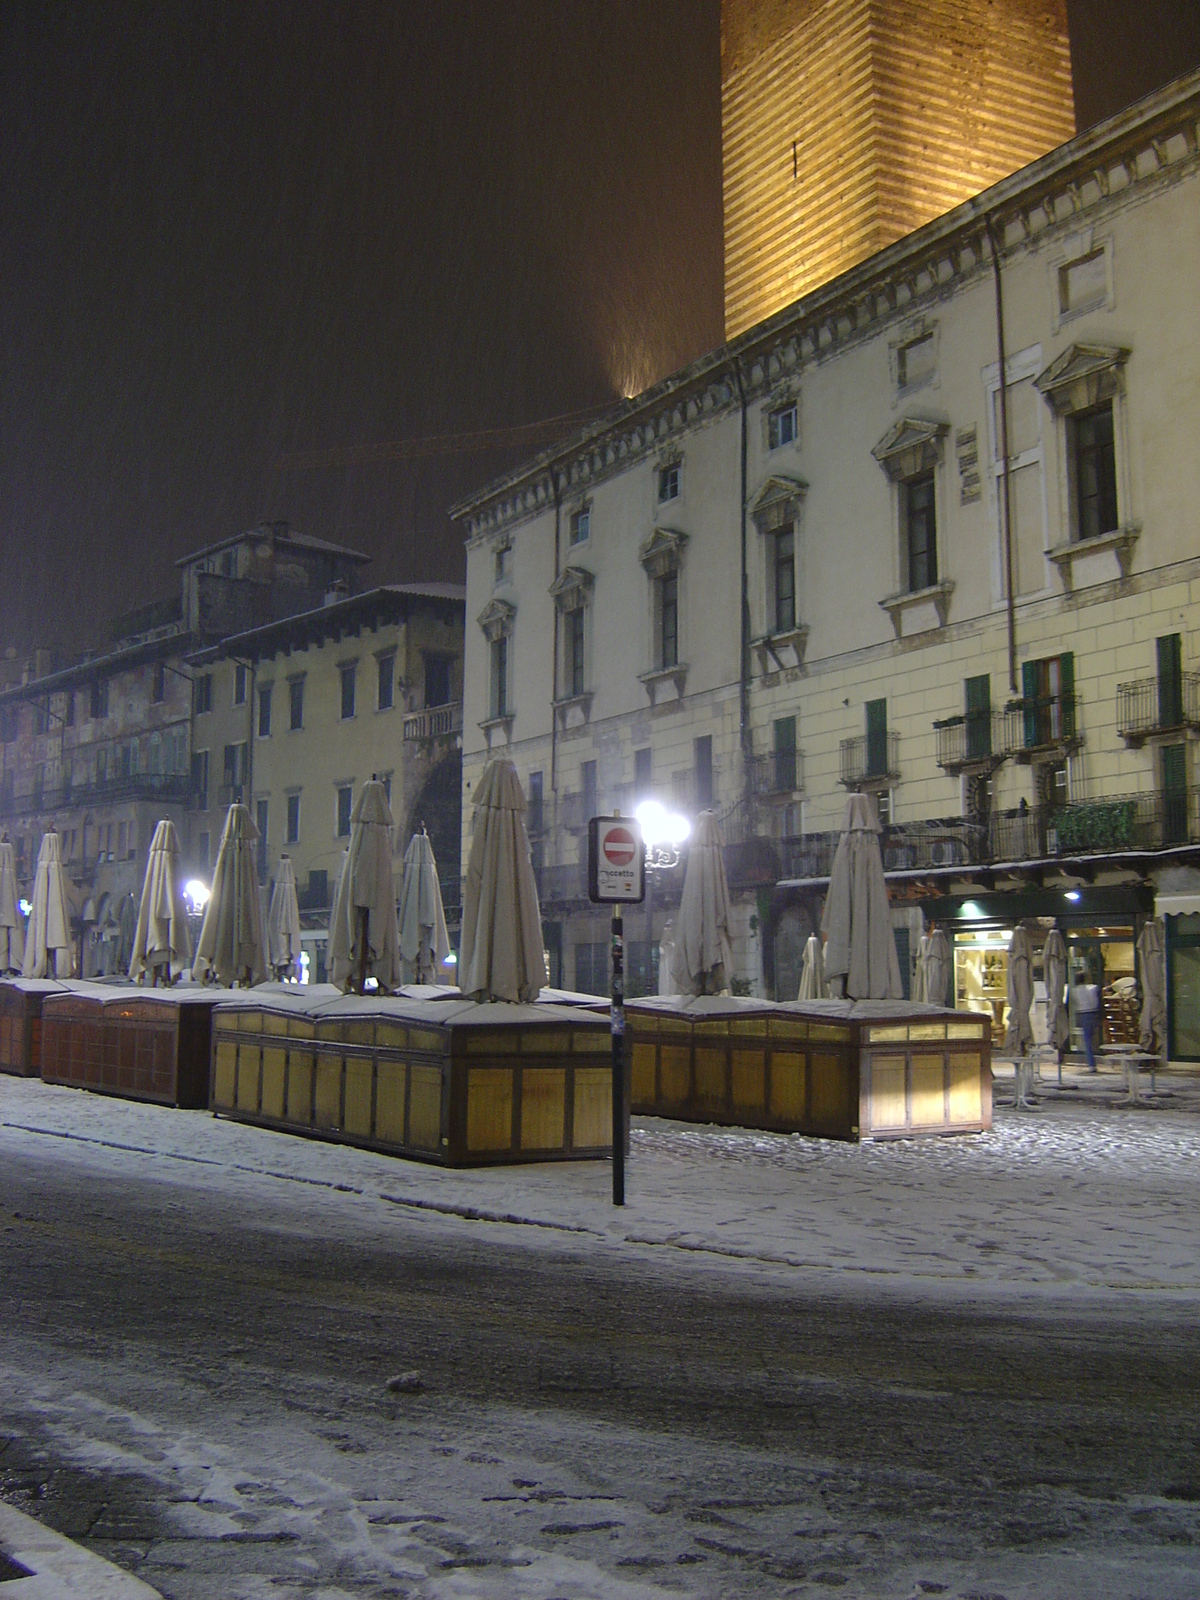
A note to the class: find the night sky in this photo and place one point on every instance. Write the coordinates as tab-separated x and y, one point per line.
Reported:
233	233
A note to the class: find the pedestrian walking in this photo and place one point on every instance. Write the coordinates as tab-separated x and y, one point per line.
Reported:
1087	1009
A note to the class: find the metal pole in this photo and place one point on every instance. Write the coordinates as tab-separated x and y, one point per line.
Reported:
618	1056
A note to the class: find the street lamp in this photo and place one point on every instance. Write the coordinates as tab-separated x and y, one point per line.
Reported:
664	834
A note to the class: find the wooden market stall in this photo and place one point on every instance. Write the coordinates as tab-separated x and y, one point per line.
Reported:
440	1080
21	1002
840	1069
141	1044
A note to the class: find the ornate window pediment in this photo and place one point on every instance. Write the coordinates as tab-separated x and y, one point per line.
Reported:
777	503
1082	377
572	588
911	446
662	552
496	619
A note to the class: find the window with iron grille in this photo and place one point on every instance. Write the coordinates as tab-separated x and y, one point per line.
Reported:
574	648
919	523
1093	449
668	620
785	580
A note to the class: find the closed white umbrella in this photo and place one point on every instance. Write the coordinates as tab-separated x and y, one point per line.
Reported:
860	948
703	958
12	928
1018	1038
424	942
48	935
938	966
1152	952
283	921
666	960
502	956
160	941
1054	967
812	972
918	983
230	946
364	940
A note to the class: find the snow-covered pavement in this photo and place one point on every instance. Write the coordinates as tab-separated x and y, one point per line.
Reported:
1068	1197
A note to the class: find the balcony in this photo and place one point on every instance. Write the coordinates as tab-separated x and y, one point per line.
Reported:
778	774
1138	823
1157	705
871	760
1049	723
978	741
435	722
162	786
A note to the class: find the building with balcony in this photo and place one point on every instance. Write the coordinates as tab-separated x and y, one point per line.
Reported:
930	533
293	717
102	750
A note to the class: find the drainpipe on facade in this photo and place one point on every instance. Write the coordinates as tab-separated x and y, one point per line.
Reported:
744	651
554	653
1005	503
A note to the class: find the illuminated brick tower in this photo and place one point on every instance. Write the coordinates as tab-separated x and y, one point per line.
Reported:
845	124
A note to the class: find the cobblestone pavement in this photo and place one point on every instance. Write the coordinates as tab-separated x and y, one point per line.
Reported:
201	1321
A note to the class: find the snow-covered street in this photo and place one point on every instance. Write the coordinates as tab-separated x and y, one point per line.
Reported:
787	1367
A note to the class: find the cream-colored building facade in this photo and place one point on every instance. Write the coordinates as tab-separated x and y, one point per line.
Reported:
808	563
305	710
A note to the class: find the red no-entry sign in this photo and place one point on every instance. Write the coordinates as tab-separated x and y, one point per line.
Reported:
616	861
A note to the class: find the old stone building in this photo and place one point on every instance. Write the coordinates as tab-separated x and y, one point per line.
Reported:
295	716
929	532
101	750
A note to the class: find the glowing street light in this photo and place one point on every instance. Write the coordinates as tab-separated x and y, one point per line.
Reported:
664	833
197	893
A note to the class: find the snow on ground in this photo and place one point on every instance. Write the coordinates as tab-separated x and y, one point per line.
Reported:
1073	1196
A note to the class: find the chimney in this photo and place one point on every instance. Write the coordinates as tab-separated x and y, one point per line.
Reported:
337	590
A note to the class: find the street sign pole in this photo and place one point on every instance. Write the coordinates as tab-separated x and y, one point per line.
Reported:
618	1056
617	877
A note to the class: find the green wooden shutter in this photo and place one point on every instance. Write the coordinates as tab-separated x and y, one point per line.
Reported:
785	754
1170	681
1067	690
1029	689
979	717
877	740
1174	778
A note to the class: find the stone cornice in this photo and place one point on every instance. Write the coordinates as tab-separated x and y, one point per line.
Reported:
1153	142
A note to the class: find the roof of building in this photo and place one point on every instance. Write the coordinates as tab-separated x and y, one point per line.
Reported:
388	603
93	667
854	303
282	534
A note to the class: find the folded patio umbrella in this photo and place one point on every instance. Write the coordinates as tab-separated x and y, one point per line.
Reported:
502	955
364	940
230	947
424	942
48	934
160	941
1018	1037
860	948
283	920
1152	953
812	971
1054	966
938	966
12	926
703	959
666	958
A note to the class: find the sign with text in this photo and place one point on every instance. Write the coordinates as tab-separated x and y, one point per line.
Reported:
616	861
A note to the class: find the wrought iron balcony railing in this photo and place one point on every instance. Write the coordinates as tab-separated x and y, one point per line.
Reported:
1157	705
864	759
1155	821
779	772
170	786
